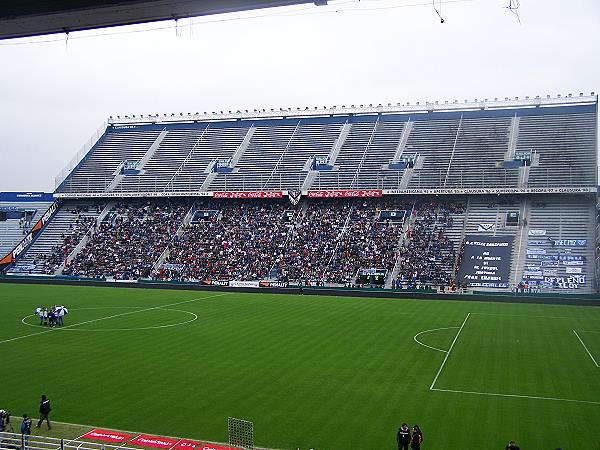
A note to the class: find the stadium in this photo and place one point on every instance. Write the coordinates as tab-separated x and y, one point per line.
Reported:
311	278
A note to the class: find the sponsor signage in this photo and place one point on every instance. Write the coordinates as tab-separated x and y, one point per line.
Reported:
248	194
106	435
551	272
133	194
244	284
184	444
486	227
26	197
215	447
12	256
216	282
533	232
570	269
570	282
274	284
145	440
571	242
487	191
486	261
346	193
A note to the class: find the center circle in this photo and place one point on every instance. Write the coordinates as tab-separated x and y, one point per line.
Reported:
76	327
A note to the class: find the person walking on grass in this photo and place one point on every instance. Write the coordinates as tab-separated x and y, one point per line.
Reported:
44	412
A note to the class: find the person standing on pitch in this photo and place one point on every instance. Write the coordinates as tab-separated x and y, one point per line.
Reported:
403	437
25	430
417	438
44	412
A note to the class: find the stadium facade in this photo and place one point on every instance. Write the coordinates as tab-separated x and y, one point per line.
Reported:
485	195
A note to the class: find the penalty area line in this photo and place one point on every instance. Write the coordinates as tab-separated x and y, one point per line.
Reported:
448	353
53	330
428	331
586	349
532	397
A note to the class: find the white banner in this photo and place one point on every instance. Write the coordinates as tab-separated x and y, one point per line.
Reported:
536	251
245	284
537	233
573	269
486	227
573	263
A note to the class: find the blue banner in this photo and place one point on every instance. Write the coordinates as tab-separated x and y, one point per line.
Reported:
26	197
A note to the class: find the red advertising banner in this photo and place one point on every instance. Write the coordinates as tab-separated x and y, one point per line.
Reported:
346	193
106	435
145	440
248	194
186	445
215	447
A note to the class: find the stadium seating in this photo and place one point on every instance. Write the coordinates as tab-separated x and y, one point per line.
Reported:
129	241
470	149
466	171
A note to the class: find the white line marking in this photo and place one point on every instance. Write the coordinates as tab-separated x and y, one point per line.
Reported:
74	439
449	350
527	316
589	331
516	396
111	317
24	321
429	346
586	349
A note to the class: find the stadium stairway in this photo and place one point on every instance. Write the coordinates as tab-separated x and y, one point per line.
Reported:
332	156
52	234
109	206
408	223
141	163
184	223
11	233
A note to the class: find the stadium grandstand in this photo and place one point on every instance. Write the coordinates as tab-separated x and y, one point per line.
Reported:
490	195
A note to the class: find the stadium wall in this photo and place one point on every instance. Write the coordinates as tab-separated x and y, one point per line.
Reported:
581	300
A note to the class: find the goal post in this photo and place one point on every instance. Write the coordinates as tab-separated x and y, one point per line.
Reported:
241	433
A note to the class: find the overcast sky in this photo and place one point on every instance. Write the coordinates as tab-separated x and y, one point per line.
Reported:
54	95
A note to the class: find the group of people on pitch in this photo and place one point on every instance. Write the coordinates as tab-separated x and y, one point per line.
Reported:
406	437
52	317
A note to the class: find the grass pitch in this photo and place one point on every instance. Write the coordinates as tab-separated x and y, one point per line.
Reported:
309	371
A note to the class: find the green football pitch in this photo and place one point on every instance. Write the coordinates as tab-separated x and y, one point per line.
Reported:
327	373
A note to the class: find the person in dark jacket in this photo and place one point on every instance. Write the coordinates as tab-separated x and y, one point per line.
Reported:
417	438
44	412
512	446
26	430
403	437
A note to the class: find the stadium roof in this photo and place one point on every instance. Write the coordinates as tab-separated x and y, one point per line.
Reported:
19	18
389	108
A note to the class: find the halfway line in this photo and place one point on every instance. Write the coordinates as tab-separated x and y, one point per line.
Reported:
449	350
586	349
